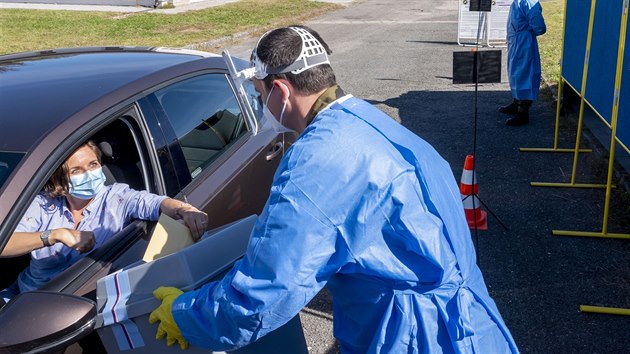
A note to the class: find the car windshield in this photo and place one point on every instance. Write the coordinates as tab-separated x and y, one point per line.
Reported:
8	161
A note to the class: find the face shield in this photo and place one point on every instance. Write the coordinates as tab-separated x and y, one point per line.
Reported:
312	54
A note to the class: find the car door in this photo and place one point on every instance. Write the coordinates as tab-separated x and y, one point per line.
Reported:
124	127
156	145
197	147
219	164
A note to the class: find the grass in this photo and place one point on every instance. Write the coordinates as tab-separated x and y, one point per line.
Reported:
551	42
28	30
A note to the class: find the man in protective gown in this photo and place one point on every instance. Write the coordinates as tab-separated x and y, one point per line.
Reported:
360	204
525	22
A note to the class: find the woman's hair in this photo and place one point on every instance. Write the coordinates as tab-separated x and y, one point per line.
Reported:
58	183
281	47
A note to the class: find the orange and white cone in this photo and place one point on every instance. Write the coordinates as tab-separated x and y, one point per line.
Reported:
468	190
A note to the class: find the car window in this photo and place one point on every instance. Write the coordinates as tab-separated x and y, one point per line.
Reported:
8	161
254	98
205	116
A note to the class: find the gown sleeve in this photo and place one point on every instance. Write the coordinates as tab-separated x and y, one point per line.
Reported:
535	18
290	256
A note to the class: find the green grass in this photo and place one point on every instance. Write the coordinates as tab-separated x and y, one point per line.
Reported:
27	30
551	42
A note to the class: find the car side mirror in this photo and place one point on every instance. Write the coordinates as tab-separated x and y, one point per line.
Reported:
44	321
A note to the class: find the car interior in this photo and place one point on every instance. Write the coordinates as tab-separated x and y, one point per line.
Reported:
121	164
120	159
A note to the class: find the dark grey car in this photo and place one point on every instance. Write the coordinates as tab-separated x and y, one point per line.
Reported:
168	121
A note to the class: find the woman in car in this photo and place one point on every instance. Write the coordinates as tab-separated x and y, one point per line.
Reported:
76	213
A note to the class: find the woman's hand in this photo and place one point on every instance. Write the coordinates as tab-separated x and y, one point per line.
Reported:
82	241
194	219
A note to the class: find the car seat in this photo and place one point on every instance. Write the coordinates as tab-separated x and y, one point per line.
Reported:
119	167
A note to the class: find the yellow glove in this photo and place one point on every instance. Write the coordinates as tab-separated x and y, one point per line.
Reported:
163	313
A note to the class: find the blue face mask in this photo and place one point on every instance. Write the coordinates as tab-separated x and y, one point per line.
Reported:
86	185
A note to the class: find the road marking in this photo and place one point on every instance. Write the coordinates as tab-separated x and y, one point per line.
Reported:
379	22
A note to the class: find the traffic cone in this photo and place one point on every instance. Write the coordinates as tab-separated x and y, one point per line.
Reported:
468	190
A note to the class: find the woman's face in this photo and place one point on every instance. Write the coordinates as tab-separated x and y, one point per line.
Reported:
82	161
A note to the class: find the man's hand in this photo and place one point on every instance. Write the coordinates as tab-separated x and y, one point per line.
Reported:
167	326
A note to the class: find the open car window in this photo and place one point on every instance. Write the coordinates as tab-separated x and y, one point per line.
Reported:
205	116
122	161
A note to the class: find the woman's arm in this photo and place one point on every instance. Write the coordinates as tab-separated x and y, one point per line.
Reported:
24	242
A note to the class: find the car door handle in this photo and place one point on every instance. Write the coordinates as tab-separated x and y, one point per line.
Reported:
275	150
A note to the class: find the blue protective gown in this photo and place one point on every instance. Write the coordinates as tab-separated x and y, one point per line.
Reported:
525	22
362	204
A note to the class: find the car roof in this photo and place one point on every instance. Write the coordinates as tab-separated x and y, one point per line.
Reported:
39	90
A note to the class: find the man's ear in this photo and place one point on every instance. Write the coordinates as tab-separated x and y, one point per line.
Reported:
285	87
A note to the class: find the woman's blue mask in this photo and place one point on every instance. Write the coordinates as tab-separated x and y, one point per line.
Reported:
86	185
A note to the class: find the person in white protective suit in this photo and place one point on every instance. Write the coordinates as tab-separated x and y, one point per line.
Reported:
525	22
359	204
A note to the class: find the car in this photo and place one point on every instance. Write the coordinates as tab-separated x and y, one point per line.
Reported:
173	122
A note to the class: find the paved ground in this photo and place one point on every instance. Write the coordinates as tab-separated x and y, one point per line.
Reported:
398	55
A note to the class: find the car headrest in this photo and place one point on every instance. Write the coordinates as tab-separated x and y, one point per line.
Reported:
106	149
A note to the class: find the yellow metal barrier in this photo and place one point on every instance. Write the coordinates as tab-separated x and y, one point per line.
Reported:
613	139
560	92
576	151
606	310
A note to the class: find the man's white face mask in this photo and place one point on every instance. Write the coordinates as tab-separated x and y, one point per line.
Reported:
276	124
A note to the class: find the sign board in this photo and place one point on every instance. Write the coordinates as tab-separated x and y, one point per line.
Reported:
488	67
483	28
471	28
497	23
480	5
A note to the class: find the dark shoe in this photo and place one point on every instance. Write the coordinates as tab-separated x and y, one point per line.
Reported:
522	116
512	108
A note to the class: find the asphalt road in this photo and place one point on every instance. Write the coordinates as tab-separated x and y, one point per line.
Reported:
398	55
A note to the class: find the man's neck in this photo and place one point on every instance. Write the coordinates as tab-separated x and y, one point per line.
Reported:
304	107
323	99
